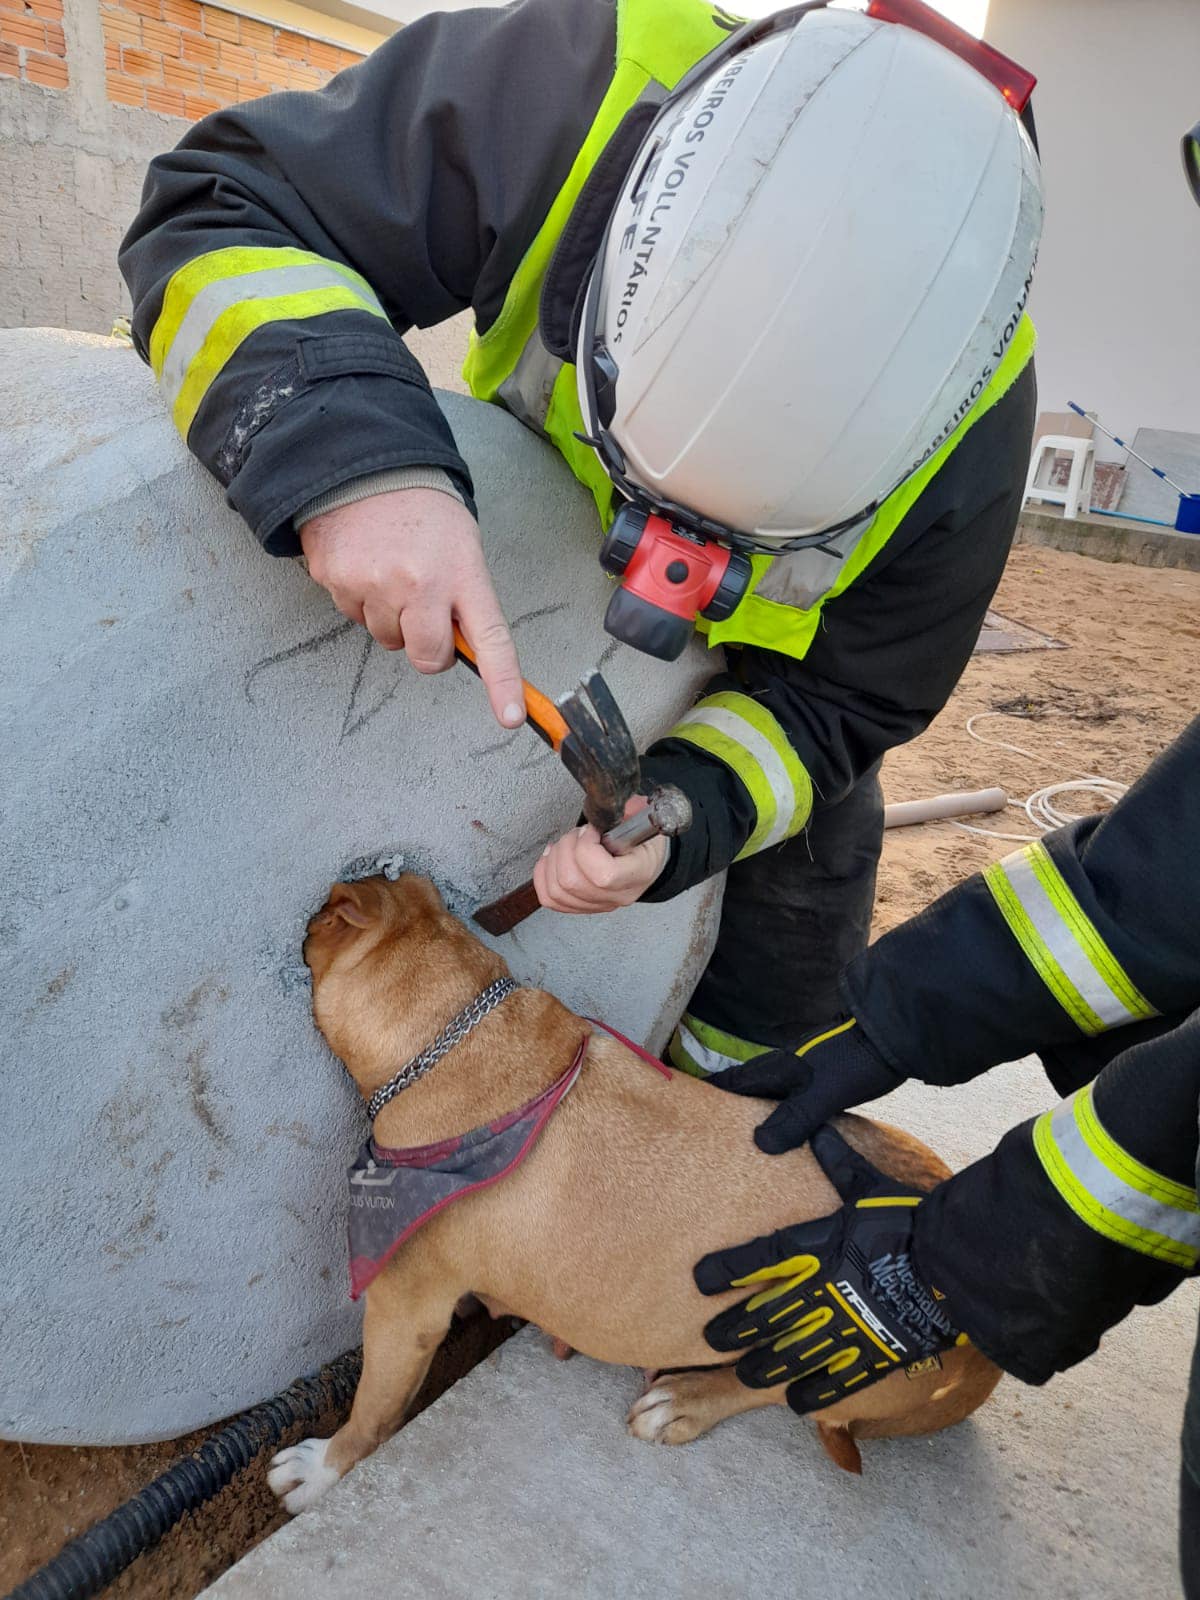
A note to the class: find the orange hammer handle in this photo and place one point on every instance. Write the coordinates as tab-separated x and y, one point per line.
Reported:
544	716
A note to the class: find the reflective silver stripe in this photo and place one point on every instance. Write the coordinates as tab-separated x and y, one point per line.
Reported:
802	577
764	755
708	1060
226	293
529	387
1142	1213
1062	944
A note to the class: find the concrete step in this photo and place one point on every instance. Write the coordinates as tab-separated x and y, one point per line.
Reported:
521	1483
1138	544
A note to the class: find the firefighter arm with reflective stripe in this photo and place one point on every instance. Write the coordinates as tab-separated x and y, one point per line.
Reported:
285	246
1073	947
773	734
1076	1217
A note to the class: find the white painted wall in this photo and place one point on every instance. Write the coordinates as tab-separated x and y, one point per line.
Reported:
1115	299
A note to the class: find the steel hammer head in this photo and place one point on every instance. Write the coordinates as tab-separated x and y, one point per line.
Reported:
599	752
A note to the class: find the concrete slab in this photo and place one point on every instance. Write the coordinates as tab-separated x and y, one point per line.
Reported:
195	745
1002	636
1110	539
521	1481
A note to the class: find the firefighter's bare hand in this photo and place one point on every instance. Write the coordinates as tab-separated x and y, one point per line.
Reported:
577	874
408	565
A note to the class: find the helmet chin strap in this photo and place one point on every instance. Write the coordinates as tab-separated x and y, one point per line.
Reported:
704	527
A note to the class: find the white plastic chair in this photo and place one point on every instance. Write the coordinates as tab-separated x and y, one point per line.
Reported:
1077	495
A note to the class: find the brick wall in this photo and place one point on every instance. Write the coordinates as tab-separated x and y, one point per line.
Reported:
90	91
187	59
32	45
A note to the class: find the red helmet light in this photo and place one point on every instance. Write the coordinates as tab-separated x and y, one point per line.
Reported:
1013	82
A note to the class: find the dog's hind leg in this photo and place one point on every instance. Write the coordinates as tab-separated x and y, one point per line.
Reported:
404	1324
678	1407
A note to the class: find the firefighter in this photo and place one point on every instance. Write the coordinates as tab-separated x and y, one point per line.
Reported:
1082	948
764	285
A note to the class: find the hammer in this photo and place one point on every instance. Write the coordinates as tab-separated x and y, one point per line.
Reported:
587	730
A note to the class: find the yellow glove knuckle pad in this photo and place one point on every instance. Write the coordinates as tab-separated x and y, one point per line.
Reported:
807	1328
795	1268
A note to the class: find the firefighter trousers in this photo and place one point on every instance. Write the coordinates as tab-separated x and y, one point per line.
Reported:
790	921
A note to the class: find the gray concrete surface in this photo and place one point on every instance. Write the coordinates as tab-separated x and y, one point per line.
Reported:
520	1483
195	745
1110	539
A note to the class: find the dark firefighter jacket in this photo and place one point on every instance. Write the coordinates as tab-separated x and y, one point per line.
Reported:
1083	949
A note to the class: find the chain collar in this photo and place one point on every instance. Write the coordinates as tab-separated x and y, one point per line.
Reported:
453	1033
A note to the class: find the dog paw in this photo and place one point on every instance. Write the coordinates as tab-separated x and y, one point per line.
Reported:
299	1476
560	1349
672	1411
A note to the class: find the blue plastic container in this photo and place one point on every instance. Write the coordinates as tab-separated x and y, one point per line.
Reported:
1187	518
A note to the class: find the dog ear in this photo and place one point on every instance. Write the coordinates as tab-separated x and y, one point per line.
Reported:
345	904
840	1446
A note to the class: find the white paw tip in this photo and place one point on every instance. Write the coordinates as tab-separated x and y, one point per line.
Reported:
652	1397
299	1476
649	1422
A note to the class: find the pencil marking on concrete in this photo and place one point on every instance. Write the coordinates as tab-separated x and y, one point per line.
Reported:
306	647
492	749
349	729
533	616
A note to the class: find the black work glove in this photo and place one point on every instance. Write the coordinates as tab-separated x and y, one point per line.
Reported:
843	1303
830	1070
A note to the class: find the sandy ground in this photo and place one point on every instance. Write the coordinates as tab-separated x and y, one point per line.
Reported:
49	1495
1123	688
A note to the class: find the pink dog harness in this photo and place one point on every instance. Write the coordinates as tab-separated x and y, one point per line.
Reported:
393	1192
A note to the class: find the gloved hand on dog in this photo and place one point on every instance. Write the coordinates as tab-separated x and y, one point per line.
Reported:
833	1068
842	1301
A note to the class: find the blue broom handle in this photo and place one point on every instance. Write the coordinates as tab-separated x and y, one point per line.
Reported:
1157	471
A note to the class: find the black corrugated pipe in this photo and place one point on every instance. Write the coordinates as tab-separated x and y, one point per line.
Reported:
90	1563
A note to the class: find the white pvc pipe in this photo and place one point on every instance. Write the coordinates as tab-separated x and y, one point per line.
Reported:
906	812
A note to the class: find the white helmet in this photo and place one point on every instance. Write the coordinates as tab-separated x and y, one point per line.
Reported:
823	246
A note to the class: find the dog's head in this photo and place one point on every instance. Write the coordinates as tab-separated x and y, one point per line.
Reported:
358	917
388	965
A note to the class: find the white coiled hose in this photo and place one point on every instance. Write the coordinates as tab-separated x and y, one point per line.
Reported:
1040	807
